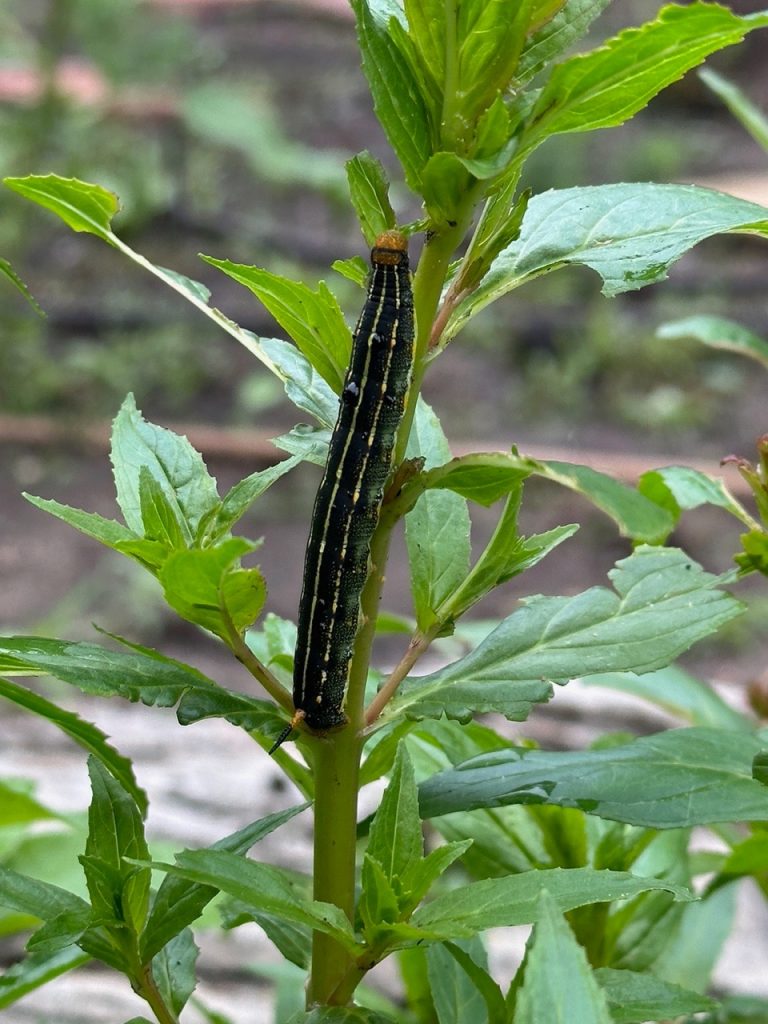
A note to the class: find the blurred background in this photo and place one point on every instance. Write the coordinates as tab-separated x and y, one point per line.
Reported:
223	126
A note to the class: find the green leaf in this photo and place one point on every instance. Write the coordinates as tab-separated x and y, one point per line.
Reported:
341	1015
663	603
444	183
185	285
19	807
720	333
85	734
240	709
36	970
673	779
633	513
426	872
378	906
381	750
751	117
395	839
555	37
274	643
704	927
388	623
679	487
629	234
37	898
438	694
506	555
106	531
760	766
607	86
542	12
242	495
558	984
427	29
308	443
313	319
64	931
489	41
141	675
748	857
173	970
292	941
634	997
262	886
494	144
504	840
87	207
81	206
437	528
153	679
397	98
678	693
304	386
66	916
6	270
150	554
739	1010
640	932
483	477
478	973
119	890
354	269
502	902
171	461
412	967
369	192
486	476
456	972
754	554
162	524
179	902
208	587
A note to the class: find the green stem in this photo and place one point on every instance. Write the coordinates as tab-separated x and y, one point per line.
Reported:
336	764
419	644
252	664
146	987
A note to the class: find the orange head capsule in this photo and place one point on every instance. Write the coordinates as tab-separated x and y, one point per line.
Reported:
390	249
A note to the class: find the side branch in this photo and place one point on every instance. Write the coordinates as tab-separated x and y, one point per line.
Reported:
257	668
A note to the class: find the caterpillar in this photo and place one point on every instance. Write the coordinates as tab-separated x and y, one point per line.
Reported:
351	491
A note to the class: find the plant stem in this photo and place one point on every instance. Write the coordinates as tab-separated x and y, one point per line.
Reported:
418	645
336	765
149	992
258	670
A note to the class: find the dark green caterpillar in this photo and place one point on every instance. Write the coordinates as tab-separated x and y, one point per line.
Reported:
350	495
